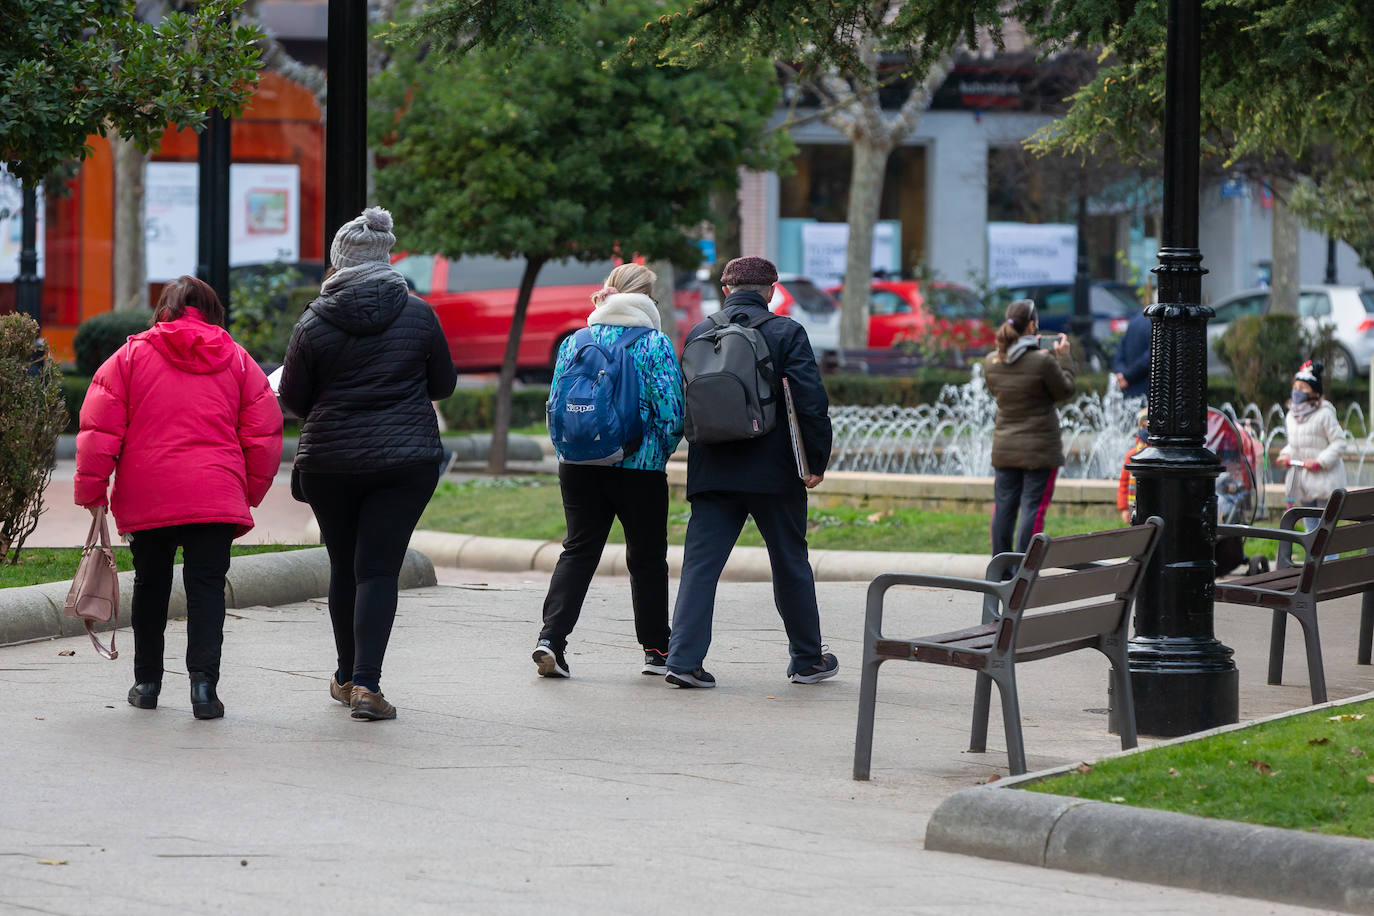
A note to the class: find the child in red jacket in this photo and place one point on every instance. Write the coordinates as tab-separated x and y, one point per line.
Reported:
1125	489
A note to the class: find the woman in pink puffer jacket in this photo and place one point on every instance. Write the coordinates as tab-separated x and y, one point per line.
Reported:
185	421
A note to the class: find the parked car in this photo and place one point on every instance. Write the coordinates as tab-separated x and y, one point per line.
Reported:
906	310
1110	304
474	299
811	307
1347	310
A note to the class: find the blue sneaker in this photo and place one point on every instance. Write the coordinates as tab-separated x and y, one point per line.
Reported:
828	666
698	678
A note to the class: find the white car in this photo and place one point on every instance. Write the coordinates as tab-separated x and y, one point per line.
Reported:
1348	310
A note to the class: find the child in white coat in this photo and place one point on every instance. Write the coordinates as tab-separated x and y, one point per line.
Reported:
1313	453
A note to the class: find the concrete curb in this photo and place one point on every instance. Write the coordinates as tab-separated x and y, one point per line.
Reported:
746	564
1159	847
34	612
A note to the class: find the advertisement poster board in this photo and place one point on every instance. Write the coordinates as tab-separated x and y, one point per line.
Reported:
826	245
11	227
1020	253
264	216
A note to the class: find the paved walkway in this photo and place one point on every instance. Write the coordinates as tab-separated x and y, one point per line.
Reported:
499	792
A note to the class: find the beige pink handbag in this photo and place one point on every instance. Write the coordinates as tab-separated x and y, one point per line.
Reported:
94	596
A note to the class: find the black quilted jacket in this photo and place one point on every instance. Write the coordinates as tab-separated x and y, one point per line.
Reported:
363	364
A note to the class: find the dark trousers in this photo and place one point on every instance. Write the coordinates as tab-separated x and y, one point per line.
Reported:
205	560
594	497
1027	492
366	521
717	519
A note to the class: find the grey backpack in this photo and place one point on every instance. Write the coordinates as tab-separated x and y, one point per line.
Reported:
729	382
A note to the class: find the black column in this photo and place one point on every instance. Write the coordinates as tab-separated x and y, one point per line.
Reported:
28	286
212	257
1330	260
1080	321
1183	679
345	132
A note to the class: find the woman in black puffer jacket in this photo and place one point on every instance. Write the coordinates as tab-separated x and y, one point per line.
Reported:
364	363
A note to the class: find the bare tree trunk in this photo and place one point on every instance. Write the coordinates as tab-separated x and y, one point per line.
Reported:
130	242
865	194
1283	273
663	296
500	433
725	213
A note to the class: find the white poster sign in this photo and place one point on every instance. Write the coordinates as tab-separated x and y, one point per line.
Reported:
1030	253
264	216
825	247
170	221
12	226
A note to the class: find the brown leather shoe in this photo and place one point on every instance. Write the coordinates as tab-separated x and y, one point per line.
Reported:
341	692
369	705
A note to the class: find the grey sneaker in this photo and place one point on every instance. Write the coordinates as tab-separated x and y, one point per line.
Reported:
698	678
828	666
655	662
549	660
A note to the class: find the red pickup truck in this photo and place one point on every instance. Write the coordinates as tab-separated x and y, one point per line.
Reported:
474	299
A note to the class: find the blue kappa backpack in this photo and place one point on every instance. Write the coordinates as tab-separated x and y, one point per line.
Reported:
594	410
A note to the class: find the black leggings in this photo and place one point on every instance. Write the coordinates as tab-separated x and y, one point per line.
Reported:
366	521
205	555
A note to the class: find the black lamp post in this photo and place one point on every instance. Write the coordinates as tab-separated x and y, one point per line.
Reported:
1183	678
1080	321
1330	260
345	130
28	286
212	261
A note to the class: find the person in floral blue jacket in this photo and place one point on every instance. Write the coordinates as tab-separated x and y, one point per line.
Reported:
634	491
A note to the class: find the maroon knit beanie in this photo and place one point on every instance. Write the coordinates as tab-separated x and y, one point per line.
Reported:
749	272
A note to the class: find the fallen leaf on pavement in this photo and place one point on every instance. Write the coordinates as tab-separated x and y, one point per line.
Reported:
67	652
993	778
52	861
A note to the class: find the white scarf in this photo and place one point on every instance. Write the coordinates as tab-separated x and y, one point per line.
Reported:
627	310
365	272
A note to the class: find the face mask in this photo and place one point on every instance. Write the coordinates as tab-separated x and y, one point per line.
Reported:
1300	396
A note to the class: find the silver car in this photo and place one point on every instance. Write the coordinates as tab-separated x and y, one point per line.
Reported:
1348	310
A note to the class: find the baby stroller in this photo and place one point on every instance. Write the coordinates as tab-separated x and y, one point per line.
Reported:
1240	492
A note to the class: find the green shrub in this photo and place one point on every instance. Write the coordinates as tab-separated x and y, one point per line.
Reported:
1263	352
32	418
475	408
263	308
101	335
74	395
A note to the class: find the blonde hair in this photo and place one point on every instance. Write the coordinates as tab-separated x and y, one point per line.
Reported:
627	278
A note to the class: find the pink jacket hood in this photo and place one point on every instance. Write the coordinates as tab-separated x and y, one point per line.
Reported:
192	344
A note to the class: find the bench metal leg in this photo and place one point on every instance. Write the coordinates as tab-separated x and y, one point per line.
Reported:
1011	721
1278	632
982	701
1121	692
868	681
1313	643
1366	627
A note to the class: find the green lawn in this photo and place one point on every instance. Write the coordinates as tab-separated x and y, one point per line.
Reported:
1309	772
58	564
530	507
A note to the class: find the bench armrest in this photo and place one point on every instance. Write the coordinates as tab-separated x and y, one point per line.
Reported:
956	583
1255	531
1291	516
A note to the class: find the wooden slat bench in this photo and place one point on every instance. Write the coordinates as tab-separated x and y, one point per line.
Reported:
1345	524
1081	589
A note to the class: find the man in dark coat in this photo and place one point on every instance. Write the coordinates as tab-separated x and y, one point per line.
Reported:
729	481
1132	363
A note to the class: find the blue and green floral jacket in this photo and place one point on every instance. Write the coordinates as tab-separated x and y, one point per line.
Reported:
660	392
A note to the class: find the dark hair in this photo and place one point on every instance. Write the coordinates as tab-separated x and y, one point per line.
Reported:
188	292
1020	314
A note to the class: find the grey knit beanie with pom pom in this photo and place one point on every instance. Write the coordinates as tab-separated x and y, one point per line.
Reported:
362	239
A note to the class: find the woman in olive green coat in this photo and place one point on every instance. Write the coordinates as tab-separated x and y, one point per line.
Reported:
1027	451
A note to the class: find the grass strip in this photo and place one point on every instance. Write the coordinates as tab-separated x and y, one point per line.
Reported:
1313	771
37	565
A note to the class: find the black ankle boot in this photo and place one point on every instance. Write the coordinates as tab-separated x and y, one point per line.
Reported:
204	703
144	695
